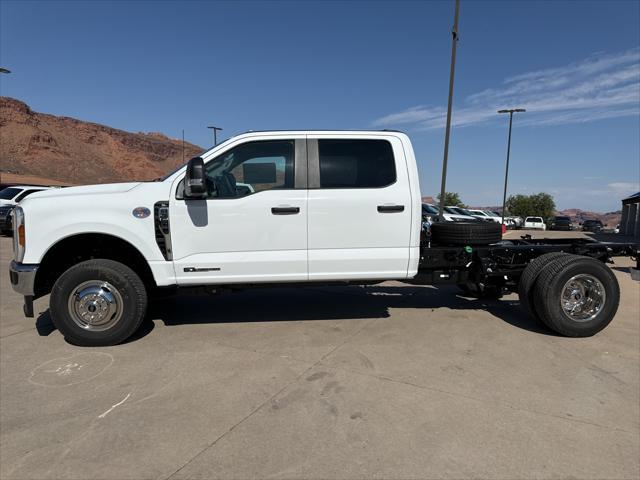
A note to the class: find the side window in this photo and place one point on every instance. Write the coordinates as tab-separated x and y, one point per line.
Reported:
25	193
356	163
251	168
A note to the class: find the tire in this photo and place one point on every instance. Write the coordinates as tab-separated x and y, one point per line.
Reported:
529	277
596	299
98	303
466	233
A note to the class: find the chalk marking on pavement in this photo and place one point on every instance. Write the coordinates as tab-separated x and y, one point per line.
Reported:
114	406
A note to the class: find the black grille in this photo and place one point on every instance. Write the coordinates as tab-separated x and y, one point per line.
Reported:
162	230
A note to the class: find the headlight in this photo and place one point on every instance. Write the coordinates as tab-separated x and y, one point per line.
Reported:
19	236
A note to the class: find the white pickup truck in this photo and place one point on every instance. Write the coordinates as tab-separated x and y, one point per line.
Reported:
273	207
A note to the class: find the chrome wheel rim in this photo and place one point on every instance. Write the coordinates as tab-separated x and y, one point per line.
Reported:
583	298
95	305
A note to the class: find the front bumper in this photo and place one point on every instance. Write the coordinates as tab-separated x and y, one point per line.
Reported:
23	277
23	280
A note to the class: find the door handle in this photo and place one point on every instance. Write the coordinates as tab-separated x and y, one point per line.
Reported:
390	208
285	210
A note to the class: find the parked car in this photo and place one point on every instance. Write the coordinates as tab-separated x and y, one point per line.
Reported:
482	215
517	222
9	198
460	211
433	212
560	223
534	223
327	207
594	226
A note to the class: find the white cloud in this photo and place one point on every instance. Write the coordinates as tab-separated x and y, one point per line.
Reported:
601	86
623	189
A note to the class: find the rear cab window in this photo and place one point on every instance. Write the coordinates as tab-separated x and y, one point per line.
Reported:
26	193
9	193
356	163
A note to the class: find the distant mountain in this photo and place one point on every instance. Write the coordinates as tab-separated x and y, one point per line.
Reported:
72	151
611	219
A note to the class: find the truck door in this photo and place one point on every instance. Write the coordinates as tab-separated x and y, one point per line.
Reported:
359	207
252	227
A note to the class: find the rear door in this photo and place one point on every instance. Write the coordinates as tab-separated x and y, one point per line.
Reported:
359	205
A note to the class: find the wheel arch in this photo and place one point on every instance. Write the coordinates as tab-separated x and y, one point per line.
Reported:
76	248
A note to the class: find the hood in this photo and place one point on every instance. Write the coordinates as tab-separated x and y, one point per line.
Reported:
85	190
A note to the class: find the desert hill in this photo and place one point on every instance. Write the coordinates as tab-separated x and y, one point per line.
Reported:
72	151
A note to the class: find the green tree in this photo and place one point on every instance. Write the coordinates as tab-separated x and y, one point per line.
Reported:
452	199
538	205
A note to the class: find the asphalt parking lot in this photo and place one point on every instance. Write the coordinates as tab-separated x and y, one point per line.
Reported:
388	381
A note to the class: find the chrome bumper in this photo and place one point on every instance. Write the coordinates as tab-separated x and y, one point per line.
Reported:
23	278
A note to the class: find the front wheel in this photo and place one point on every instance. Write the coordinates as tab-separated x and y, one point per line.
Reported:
98	303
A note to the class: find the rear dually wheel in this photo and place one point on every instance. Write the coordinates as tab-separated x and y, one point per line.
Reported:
576	297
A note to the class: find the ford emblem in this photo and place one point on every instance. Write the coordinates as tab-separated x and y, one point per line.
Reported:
141	212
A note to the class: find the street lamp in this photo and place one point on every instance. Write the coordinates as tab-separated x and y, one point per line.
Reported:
447	131
215	134
506	172
4	70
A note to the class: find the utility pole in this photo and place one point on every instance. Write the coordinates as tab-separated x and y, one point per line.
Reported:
215	134
183	145
506	171
454	34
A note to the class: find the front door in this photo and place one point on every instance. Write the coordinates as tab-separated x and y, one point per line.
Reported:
252	227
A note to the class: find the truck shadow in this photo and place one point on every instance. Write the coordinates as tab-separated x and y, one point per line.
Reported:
289	304
329	303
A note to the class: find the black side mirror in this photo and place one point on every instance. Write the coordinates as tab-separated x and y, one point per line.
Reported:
195	185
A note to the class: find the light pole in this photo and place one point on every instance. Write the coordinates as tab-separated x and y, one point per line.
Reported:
4	70
215	134
452	73
506	172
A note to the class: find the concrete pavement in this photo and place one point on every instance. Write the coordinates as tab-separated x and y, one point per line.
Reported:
389	381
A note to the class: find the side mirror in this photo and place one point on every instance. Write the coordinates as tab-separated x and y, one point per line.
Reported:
195	185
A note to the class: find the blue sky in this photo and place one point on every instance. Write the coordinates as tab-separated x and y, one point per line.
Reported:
165	66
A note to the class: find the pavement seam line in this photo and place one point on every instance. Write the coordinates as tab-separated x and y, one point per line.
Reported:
17	333
480	400
259	352
267	401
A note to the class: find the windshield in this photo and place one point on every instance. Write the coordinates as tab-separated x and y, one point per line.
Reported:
533	220
162	179
9	193
451	210
462	211
478	212
563	219
429	209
